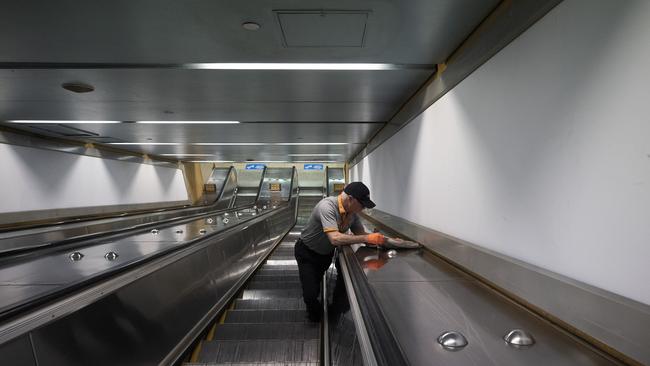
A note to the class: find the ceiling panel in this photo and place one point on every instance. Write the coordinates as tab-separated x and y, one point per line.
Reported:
171	31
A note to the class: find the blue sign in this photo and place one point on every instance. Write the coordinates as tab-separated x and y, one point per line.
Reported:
255	166
313	166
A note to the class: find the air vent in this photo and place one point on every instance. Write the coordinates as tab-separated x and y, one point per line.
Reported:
63	130
326	28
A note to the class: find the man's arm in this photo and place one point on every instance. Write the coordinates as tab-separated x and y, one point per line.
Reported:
339	239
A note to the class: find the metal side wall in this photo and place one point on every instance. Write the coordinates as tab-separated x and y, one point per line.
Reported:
141	322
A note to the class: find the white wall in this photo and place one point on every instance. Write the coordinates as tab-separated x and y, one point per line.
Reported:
543	153
35	179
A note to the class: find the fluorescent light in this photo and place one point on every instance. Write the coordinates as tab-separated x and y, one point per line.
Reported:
297	66
315	154
232	143
316	161
187	154
190	122
27	121
211	161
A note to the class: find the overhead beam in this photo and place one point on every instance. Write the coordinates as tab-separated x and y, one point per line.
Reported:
505	23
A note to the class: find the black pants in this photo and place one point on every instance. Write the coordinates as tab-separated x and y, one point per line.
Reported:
312	266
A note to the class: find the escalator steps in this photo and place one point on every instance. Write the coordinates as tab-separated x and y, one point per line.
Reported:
279	278
260	351
289	304
240	332
266	316
272	294
271	285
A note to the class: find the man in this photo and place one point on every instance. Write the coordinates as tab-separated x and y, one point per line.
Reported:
326	229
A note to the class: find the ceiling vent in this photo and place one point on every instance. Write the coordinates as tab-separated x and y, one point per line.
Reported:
323	28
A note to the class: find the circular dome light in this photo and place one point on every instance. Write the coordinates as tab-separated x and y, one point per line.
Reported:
78	87
251	26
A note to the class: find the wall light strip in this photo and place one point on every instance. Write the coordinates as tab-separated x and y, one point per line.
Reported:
232	143
26	121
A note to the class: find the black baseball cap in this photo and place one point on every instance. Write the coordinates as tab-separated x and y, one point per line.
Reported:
359	191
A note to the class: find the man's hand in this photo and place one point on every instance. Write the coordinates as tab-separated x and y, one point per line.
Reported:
376	239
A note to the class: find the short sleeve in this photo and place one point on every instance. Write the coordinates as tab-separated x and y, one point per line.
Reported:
328	221
356	226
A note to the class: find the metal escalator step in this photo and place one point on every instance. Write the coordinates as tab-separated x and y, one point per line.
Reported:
277	278
270	304
270	285
266	316
283	267
277	271
277	257
272	294
232	332
260	351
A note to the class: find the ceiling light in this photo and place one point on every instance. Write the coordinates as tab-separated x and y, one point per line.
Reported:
27	121
297	66
251	26
315	154
187	154
211	161
233	143
190	122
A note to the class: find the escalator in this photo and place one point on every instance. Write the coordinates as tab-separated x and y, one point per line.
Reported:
267	323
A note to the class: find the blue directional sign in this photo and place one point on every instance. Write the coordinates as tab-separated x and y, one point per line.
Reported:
313	167
255	166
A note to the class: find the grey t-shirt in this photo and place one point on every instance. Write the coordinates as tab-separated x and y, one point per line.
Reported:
328	215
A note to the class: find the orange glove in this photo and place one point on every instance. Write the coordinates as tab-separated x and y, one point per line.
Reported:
376	239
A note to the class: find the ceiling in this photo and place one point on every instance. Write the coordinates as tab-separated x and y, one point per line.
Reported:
141	56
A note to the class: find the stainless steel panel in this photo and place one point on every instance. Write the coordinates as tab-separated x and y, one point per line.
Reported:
17	352
148	317
408	265
280	177
618	322
9	294
419	312
218	177
334	176
404	32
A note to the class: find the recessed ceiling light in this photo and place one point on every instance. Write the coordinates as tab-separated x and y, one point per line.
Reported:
300	66
190	122
250	26
27	121
78	87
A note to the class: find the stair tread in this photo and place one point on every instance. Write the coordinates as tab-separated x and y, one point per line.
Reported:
268	331
266	316
260	351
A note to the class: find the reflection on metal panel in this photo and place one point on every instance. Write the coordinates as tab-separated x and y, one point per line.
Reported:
335	181
215	183
276	186
151	315
228	191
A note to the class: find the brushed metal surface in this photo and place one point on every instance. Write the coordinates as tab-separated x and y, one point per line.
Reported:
166	303
334	176
280	177
418	312
18	352
617	322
